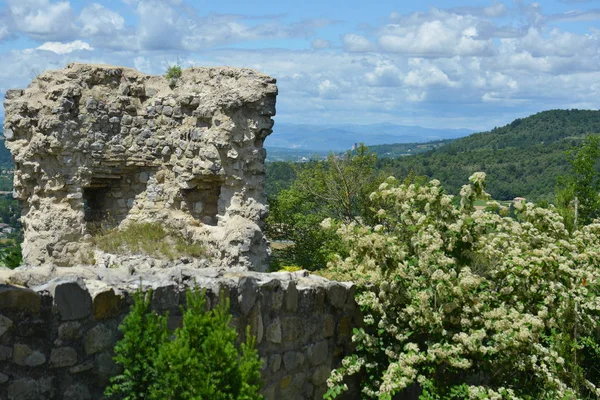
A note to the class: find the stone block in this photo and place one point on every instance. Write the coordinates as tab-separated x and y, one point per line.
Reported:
285	381
107	304
255	321
97	339
86	366
77	391
5	324
328	326
63	357
275	362
5	352
345	327
71	298
105	366
320	375
69	330
292	329
318	352
291	298
336	292
277	297
247	294
24	356
30	389
274	331
165	298
293	360
17	299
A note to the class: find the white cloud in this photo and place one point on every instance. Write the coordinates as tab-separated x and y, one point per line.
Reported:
65	48
423	74
4	31
96	19
385	74
357	43
451	68
42	19
328	90
320	44
440	35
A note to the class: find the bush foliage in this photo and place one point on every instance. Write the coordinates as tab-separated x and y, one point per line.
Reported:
469	302
200	361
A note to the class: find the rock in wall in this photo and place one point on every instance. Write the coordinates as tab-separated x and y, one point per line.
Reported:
58	330
100	145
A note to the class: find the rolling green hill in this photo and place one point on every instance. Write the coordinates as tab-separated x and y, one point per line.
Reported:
523	158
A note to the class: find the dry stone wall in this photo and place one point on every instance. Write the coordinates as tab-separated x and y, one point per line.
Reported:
97	145
58	326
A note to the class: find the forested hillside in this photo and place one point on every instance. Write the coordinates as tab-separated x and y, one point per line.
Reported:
523	158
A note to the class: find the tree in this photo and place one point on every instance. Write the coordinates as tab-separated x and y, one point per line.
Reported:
143	334
338	187
201	362
470	303
578	194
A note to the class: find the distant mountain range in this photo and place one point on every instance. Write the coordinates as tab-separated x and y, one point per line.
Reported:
524	158
323	138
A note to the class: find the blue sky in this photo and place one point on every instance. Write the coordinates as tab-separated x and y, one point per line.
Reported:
473	64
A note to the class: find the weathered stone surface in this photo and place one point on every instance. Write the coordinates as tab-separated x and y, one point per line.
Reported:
3	378
5	352
77	391
318	352
256	323
337	295
292	328
328	326
14	298
69	330
30	389
295	351
274	331
97	339
86	366
23	355
292	360
275	362
107	304
148	150
165	298
291	299
248	292
321	374
105	366
5	324
63	357
71	298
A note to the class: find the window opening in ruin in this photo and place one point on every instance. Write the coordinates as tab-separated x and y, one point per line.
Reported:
202	201
94	206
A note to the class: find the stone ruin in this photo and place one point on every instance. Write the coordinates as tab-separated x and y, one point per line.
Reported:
98	145
101	145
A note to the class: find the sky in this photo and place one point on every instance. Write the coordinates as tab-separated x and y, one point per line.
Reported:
439	64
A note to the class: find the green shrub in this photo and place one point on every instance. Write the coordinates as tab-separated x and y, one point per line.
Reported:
147	238
143	333
200	362
10	254
174	72
471	303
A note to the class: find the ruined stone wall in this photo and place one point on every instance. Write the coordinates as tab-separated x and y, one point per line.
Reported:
58	332
96	145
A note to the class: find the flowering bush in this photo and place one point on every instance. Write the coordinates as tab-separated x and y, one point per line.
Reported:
471	303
